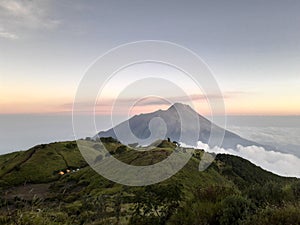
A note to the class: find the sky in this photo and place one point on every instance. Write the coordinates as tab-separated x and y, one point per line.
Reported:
252	47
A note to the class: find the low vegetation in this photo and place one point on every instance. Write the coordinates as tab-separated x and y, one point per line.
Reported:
231	191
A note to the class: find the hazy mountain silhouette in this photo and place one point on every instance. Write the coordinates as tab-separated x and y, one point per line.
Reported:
167	123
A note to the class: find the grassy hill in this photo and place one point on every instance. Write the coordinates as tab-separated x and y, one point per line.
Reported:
52	184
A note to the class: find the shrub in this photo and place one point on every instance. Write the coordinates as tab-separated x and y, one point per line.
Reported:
234	209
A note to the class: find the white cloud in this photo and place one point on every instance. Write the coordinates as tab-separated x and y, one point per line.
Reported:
285	135
19	16
15	7
276	162
8	35
284	139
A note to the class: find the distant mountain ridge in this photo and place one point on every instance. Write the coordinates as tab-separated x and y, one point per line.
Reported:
140	126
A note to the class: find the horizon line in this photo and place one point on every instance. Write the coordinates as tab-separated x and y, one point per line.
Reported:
69	113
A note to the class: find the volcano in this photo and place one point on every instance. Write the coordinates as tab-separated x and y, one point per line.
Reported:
146	128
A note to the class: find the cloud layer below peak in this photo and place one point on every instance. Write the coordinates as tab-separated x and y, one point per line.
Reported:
279	163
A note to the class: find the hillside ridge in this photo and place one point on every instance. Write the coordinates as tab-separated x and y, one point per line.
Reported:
46	189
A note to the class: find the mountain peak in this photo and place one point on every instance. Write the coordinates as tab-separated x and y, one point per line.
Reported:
147	128
181	106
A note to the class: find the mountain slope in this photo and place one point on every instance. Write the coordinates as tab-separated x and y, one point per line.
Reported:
139	125
42	163
33	192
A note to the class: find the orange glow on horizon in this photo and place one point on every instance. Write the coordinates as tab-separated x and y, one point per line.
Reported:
236	108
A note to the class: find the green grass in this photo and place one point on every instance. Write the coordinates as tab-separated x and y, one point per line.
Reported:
86	197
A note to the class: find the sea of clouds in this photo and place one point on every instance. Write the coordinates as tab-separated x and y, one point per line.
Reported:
277	162
283	139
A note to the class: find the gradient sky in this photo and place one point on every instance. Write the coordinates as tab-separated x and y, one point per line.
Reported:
253	48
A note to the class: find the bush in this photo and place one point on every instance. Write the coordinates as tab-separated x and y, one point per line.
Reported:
109	140
287	215
234	209
121	149
296	190
200	213
155	204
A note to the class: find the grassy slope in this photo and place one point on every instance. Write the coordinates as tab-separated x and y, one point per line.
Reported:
72	191
41	164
